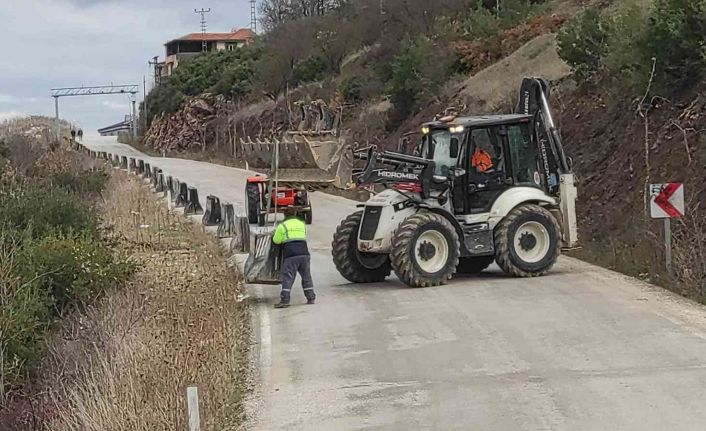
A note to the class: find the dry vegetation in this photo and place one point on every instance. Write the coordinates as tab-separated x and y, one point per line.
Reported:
125	363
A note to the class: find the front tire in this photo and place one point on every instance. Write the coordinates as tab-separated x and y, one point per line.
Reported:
527	241
355	266
253	201
425	250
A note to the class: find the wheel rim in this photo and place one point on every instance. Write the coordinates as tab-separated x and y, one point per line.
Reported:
532	242
431	251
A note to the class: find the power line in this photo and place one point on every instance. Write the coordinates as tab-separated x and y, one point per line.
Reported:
203	12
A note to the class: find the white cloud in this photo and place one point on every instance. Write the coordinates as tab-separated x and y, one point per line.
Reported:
9	115
117	106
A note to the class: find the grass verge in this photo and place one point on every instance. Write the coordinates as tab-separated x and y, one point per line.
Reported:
125	362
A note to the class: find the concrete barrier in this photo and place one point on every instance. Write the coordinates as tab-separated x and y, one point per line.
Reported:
181	197
123	162
155	176
147	173
241	236
175	189
193	206
212	216
140	167
169	184
226	227
132	165
263	263
161	186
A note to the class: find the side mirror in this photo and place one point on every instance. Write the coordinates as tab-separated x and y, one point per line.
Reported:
453	151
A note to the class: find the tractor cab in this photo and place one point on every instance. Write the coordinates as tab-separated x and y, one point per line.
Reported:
486	156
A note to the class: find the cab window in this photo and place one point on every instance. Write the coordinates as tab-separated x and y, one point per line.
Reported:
524	156
438	148
487	151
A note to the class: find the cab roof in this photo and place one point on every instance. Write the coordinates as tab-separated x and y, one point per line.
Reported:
481	121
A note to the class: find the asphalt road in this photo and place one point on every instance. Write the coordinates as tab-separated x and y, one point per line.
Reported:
582	348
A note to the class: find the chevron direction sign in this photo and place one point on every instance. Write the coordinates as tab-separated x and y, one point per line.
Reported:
667	200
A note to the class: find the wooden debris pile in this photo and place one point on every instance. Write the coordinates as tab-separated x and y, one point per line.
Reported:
189	128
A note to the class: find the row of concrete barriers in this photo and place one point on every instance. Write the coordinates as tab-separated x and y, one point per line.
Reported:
181	195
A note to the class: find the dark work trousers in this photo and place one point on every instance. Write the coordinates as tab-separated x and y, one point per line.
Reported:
290	267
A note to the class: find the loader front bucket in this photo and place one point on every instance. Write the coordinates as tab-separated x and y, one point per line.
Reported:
305	159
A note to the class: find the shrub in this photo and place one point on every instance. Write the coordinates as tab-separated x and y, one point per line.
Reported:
676	35
24	315
44	210
310	69
417	74
583	43
624	60
84	183
351	89
73	268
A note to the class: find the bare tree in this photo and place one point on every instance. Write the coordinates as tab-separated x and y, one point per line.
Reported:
274	13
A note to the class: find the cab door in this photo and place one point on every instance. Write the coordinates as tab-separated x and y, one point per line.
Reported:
486	164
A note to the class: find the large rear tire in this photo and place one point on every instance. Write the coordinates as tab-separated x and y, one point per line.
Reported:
253	201
527	241
309	216
425	250
355	266
474	265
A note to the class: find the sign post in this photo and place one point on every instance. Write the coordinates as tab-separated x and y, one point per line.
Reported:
667	202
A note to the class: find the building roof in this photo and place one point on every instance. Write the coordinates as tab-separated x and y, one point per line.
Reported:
243	34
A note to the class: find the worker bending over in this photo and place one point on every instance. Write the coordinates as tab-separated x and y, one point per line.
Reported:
291	235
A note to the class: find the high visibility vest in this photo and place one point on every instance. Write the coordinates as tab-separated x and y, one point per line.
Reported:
291	229
481	160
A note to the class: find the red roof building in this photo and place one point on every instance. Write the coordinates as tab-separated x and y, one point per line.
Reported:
193	44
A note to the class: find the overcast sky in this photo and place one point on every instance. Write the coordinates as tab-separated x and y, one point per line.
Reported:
68	43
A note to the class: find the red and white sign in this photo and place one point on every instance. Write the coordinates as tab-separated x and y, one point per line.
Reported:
667	200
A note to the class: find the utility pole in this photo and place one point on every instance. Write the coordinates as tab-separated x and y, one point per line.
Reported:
157	72
56	115
203	12
134	121
144	103
253	16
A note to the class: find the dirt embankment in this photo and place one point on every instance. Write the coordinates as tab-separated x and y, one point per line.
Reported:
125	362
604	133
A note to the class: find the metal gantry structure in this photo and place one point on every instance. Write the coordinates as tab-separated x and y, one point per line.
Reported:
130	90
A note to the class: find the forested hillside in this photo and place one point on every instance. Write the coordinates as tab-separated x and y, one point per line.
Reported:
628	79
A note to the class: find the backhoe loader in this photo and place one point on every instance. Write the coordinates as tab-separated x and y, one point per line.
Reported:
477	189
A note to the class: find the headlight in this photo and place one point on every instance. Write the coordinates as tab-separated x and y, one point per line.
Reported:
425	130
456	129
